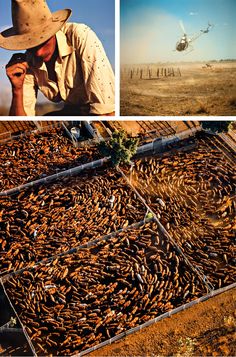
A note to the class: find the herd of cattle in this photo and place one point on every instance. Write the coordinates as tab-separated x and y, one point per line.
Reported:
80	299
80	262
193	195
48	220
39	154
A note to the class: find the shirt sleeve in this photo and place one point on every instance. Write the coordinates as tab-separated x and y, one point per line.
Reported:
29	94
97	72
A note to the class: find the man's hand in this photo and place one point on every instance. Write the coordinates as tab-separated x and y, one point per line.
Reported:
16	70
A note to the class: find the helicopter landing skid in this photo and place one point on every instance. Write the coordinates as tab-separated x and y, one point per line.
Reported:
189	50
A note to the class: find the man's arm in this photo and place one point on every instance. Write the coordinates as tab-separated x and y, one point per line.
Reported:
17	107
16	70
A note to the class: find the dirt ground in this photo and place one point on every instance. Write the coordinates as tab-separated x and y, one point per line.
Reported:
206	329
200	90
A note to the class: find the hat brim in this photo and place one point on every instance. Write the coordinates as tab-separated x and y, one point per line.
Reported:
10	40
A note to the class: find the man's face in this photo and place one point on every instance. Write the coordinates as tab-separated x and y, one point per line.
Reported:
46	50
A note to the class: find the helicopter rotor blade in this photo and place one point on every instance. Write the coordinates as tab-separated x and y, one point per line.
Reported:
182	26
210	26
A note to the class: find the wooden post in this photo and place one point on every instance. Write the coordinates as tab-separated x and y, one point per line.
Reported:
165	72
141	74
131	74
158	72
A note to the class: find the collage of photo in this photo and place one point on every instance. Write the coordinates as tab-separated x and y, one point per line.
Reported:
117	235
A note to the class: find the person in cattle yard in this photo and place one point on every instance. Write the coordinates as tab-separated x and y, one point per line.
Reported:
65	61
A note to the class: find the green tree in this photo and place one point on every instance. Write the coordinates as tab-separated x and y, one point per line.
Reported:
120	148
217	126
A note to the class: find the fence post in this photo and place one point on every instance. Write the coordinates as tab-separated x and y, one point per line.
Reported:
141	74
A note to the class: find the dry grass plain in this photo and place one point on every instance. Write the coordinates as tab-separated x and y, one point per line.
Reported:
200	90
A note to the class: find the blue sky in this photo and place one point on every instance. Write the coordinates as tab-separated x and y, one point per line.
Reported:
98	14
150	29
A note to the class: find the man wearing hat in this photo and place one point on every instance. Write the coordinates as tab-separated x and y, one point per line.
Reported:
65	61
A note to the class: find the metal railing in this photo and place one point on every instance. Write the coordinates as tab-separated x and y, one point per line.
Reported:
51	178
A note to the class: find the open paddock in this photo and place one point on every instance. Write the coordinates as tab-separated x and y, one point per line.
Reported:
198	91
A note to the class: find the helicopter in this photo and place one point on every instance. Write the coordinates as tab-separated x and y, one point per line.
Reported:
208	28
185	41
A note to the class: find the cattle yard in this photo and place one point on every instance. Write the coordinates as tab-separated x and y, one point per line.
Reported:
88	259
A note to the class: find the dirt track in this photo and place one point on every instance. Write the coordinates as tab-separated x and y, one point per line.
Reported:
198	91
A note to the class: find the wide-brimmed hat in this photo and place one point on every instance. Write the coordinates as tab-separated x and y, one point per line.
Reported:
33	24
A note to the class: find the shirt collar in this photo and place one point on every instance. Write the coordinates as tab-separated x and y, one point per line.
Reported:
63	48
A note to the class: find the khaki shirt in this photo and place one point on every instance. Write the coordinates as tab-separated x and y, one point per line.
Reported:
84	74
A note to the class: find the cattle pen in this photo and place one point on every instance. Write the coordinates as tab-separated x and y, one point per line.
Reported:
115	250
